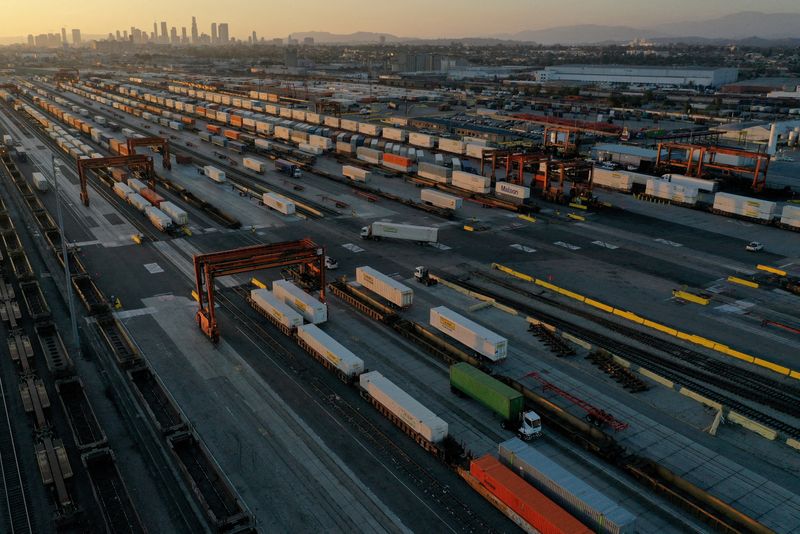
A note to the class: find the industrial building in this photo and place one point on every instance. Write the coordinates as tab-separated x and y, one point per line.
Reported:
641	75
625	154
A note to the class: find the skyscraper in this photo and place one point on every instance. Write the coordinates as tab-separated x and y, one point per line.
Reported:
184	39
213	33
63	36
194	30
254	37
223	33
30	40
173	35
76	37
164	36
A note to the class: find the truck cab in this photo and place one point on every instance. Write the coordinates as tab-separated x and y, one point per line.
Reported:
331	263
530	426
422	275
365	233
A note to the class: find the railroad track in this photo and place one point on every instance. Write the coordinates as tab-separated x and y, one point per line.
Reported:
693	379
783	397
383	444
18	519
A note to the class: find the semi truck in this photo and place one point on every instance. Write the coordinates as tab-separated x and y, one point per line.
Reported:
506	402
407	232
281	165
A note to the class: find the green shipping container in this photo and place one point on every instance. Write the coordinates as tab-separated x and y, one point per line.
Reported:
498	397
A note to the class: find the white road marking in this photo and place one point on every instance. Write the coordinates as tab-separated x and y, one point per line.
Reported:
523	248
605	245
153	268
668	242
567	245
353	248
441	246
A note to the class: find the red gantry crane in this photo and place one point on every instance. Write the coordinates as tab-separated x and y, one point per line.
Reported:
162	142
207	267
140	163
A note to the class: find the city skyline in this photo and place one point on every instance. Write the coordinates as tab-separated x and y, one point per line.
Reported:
447	19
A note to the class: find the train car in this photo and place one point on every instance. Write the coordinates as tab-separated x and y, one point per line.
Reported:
329	352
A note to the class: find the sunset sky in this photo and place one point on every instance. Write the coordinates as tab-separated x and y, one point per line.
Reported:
413	18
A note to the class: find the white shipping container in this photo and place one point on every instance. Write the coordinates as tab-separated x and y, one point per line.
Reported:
442	200
282	132
178	216
790	213
310	308
451	145
422	140
434	172
355	174
350	126
310	149
471	182
262	143
135	184
278	203
512	190
40	182
158	218
395	134
618	180
254	164
419	418
709	186
122	190
331	350
333	122
369	129
369	155
469	333
214	173
675	192
321	142
745	206
276	308
137	201
398	294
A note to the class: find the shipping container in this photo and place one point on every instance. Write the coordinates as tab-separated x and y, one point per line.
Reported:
328	350
369	155
135	184
398	163
158	218
675	192
618	180
541	513
40	182
151	196
707	186
433	172
518	192
395	134
408	232
369	129
753	208
404	407
178	216
355	174
215	174
310	308
503	400
471	182
790	216
475	151
276	309
350	126
439	199
136	200
122	190
262	144
451	145
469	333
398	294
310	149
421	140
254	164
279	203
571	492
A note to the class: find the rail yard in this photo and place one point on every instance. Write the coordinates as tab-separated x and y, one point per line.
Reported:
292	318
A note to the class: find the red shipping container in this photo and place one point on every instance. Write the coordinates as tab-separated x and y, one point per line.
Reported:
529	503
396	160
151	196
213	128
119	175
231	134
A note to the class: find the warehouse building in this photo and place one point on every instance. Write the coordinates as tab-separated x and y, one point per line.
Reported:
641	75
628	155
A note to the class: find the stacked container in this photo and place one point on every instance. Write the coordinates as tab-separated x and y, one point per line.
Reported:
518	192
675	192
275	308
744	206
471	182
310	308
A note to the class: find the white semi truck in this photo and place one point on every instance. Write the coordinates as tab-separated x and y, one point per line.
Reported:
407	232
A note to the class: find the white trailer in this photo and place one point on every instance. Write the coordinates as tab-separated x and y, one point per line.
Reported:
278	203
422	140
355	174
407	411
408	232
276	309
158	218
398	294
329	351
135	184
518	192
40	182
122	190
439	199
753	208
471	182
254	164
469	333
215	174
178	216
310	308
433	172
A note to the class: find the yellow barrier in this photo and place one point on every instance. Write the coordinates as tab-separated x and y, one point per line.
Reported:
577	206
137	238
684	295
742	281
526	218
469	228
795	375
772	270
660	327
772	366
547	285
576	217
258	283
572	295
195	296
512	272
599	305
187	231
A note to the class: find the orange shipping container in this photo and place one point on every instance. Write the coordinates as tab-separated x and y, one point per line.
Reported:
231	134
529	503
114	144
151	196
396	160
213	128
236	121
200	110
123	149
187	120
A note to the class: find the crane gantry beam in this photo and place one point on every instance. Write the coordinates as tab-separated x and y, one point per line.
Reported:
208	267
135	162
162	142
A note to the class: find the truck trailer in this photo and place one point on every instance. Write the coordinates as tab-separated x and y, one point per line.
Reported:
407	232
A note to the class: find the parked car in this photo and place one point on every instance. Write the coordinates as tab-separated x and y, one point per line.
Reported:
754	246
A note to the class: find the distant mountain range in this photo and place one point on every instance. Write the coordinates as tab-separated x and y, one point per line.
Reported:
747	27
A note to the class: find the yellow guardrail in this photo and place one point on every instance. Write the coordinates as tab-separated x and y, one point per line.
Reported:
690	297
577	206
469	228
630	316
195	296
772	270
258	283
526	218
576	217
742	281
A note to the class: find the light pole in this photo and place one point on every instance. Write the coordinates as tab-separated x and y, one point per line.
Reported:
67	277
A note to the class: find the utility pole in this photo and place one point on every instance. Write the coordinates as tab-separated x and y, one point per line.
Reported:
67	277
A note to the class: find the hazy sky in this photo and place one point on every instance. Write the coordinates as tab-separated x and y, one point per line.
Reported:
412	18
